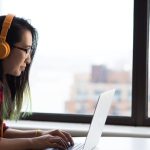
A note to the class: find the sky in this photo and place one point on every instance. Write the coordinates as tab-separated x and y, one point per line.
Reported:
73	35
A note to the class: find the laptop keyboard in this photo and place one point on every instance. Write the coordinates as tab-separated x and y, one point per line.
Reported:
77	146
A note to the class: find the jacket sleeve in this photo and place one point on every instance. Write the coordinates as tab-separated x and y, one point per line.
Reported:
1	120
3	126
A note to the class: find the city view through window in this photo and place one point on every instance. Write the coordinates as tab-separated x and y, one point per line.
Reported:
85	48
87	88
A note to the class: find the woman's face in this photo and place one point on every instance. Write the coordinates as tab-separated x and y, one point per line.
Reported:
17	60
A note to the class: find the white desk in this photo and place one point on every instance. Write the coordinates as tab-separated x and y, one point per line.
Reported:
123	143
120	143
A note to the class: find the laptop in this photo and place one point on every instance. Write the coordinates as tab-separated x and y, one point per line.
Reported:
97	123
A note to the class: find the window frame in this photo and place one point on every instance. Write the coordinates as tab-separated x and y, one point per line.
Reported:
139	114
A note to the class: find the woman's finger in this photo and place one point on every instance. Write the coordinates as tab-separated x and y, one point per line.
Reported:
58	140
63	136
56	145
69	137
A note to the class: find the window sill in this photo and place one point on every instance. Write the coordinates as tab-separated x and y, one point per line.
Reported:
79	129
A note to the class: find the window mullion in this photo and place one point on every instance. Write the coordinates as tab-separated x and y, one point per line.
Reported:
140	62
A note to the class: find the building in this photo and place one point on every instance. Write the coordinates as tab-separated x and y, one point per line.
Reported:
87	88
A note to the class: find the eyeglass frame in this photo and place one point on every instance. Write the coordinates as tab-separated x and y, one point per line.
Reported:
27	50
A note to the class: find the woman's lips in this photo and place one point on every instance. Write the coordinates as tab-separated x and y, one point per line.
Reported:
23	68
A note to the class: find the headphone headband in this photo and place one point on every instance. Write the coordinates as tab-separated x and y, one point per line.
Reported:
6	25
4	46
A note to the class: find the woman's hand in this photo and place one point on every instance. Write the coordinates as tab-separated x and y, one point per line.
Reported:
66	137
50	141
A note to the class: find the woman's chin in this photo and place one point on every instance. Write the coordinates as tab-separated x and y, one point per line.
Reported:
16	73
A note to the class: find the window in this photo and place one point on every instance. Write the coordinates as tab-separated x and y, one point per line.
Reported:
87	47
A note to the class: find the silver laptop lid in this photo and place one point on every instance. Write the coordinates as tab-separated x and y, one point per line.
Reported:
99	119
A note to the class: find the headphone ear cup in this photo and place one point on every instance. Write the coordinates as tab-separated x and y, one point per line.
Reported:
8	49
4	50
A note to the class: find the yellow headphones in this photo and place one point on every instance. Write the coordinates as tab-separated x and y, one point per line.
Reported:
4	46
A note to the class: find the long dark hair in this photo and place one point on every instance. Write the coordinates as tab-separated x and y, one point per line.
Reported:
18	86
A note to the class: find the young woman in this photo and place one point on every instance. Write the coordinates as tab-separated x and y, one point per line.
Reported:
18	42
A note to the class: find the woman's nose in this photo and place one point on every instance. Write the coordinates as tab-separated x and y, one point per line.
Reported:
28	59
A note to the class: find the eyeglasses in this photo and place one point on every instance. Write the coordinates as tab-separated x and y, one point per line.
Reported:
27	50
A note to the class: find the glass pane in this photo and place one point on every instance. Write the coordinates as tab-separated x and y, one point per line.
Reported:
85	48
